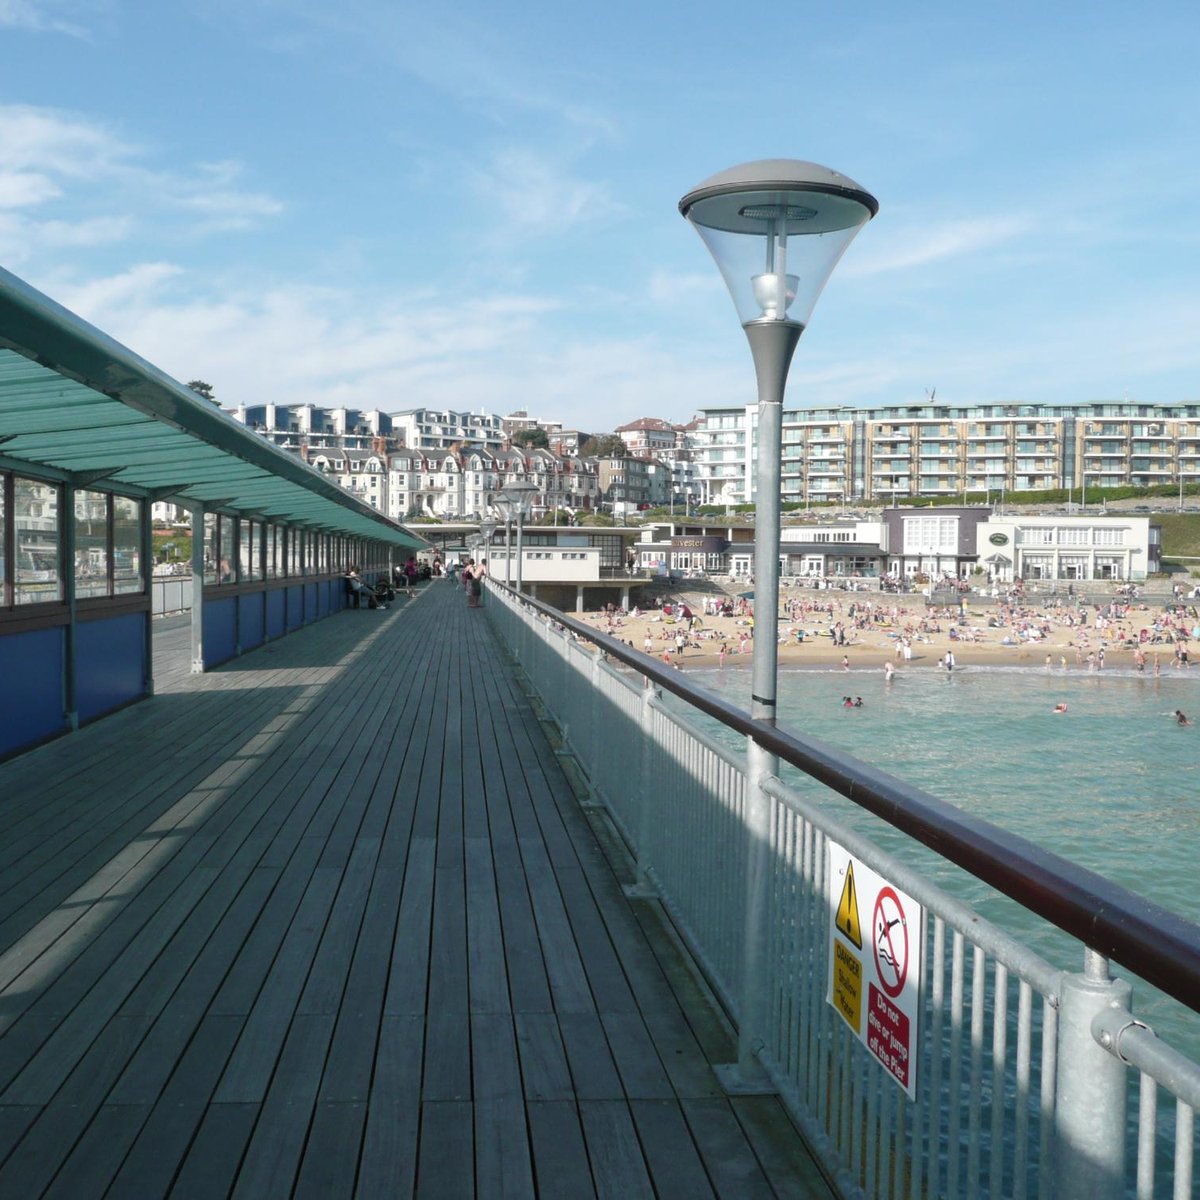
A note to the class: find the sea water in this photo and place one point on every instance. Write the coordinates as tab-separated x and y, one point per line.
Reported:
1111	784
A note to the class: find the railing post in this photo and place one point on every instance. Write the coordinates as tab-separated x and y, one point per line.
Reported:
644	888
746	1077
1089	1117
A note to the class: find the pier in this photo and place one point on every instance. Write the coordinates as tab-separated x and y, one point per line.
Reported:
330	921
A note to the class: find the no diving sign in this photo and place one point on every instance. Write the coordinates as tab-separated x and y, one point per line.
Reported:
875	963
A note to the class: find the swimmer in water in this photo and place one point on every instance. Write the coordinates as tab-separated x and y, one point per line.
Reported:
1060	708
1180	718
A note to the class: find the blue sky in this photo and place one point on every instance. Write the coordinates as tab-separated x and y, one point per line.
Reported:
384	204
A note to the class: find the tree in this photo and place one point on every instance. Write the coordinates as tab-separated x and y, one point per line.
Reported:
531	438
605	445
203	389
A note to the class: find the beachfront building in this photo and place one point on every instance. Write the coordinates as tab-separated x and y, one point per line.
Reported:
811	550
1073	548
916	545
850	455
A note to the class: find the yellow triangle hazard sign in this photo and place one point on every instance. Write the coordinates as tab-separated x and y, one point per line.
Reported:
847	910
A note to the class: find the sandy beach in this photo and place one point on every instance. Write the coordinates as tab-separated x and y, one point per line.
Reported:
902	617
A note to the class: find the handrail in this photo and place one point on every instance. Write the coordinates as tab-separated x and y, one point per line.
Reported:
1158	945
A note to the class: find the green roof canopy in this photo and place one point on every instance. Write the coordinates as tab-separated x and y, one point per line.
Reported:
78	406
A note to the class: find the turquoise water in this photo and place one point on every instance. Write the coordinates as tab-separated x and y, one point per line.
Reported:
1112	784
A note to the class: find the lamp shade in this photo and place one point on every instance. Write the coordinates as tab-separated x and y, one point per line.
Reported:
776	229
520	496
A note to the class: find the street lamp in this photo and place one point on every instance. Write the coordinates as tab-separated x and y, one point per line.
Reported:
504	507
776	229
519	499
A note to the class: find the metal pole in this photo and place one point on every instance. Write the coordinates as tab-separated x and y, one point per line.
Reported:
507	551
520	529
772	343
198	587
1089	1112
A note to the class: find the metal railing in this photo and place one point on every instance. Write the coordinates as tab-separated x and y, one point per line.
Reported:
1025	1073
170	594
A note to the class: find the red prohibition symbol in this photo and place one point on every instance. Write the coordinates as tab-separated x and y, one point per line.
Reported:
890	942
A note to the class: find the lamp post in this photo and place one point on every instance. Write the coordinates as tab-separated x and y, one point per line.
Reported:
776	229
504	507
520	497
487	527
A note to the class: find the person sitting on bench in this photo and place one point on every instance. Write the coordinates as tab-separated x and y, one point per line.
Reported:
358	589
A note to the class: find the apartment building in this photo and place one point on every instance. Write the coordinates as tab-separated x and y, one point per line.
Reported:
462	484
871	455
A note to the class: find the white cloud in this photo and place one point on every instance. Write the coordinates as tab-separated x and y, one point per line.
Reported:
335	346
36	16
67	161
901	250
21	190
529	194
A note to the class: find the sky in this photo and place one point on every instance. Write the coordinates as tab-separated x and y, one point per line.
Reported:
384	204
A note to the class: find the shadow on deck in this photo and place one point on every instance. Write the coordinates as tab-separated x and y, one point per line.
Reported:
330	922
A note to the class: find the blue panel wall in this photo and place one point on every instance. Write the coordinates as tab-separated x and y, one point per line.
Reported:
220	630
32	711
276	613
110	663
295	607
250	621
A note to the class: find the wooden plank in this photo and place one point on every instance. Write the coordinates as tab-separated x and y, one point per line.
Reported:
486	965
503	1166
389	1151
99	1152
618	1166
780	1151
675	1164
251	1066
163	1140
592	1067
732	1164
331	1156
273	1156
409	974
637	1061
212	1163
564	969
351	1059
529	987
36	1158
445	1160
560	1159
544	1069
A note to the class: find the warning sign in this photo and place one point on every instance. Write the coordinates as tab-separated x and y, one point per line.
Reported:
847	910
847	985
888	975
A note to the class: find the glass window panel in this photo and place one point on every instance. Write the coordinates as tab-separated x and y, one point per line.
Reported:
35	541
245	550
271	549
127	546
227	550
210	547
92	551
3	538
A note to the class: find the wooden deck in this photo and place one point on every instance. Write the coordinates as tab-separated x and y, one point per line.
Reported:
329	922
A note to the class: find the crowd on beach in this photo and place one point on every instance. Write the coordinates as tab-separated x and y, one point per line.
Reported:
833	629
